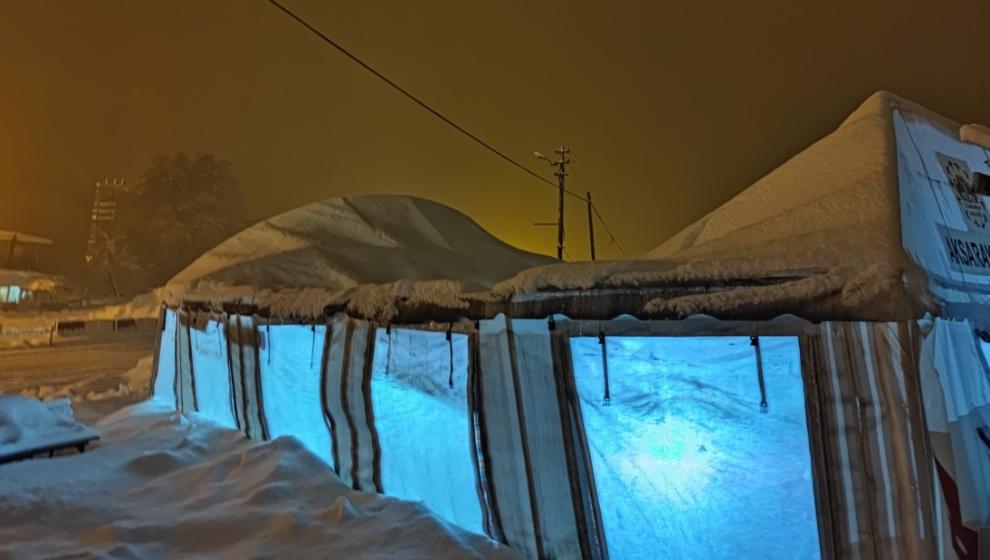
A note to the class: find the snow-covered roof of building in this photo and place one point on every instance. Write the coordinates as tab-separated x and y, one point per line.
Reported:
23	237
29	280
340	244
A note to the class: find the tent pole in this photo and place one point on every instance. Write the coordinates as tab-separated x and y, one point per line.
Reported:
755	342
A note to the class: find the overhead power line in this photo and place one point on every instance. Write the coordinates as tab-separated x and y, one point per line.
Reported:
436	113
612	238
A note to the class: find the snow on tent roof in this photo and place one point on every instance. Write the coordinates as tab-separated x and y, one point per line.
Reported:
833	204
833	207
23	237
340	244
819	236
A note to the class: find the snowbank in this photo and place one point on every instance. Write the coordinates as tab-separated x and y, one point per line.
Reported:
28	424
134	381
162	486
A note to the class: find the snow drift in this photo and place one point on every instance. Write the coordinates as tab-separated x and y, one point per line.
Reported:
162	485
27	424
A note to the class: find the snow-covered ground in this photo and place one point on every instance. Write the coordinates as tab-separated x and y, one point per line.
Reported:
99	374
29	425
159	485
164	486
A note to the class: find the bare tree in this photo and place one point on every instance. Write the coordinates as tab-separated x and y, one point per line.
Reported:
112	256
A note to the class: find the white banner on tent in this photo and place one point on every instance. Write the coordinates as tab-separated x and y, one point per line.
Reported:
945	211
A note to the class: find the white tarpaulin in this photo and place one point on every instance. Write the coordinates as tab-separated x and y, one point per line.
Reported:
290	385
956	386
945	213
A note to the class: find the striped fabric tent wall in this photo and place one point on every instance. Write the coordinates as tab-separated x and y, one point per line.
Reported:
877	475
871	468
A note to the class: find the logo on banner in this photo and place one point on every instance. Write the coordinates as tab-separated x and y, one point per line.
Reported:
963	184
968	250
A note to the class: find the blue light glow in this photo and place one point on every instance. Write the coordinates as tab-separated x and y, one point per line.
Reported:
214	398
685	464
290	385
423	423
165	376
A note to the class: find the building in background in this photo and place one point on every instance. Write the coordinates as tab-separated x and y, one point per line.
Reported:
21	251
21	255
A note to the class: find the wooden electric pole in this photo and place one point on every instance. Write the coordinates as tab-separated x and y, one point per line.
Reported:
104	211
561	173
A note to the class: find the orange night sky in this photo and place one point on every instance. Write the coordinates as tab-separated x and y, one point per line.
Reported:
670	108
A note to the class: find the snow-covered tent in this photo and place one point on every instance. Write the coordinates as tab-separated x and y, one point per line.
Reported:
797	375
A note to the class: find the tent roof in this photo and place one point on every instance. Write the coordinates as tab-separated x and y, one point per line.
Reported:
24	237
341	244
837	201
818	237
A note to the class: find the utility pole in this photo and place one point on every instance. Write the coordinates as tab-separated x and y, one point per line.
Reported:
104	212
561	173
591	225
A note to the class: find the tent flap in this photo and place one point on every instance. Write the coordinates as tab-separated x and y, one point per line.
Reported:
185	392
875	460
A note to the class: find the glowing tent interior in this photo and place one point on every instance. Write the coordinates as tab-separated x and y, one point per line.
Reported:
802	373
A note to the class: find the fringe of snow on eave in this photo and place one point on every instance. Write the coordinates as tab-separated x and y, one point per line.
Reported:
725	287
378	302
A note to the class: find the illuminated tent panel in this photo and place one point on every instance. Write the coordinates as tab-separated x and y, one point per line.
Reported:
685	463
291	356
419	392
523	448
10	294
211	374
164	385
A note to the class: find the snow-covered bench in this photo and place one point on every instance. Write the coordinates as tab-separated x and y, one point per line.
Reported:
29	427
